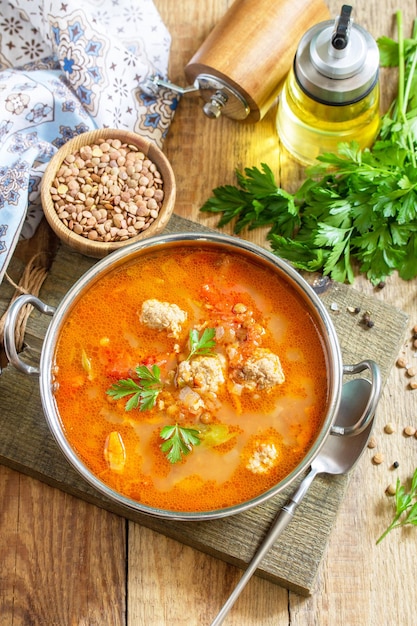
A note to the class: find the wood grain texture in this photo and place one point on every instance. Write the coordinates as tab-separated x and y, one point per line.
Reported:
357	583
62	559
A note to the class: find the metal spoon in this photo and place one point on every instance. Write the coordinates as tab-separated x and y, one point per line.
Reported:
338	455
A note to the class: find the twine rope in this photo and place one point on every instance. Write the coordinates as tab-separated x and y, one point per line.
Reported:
30	282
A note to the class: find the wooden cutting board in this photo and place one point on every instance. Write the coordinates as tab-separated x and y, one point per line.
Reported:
27	446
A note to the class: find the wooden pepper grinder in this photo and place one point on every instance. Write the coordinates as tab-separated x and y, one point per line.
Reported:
242	64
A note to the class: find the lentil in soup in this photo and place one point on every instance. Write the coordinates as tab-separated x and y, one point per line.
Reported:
191	378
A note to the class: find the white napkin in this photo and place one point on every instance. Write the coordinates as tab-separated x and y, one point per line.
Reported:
67	67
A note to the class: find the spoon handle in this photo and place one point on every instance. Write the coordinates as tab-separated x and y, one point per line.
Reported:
279	524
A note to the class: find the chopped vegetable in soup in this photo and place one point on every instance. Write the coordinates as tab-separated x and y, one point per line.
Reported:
191	378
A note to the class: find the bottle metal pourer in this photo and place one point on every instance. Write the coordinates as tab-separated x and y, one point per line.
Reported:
340	38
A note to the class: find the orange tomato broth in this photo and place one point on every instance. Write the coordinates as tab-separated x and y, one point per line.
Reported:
103	340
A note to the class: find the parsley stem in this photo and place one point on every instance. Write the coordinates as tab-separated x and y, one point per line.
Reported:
401	65
411	72
404	87
394	524
410	79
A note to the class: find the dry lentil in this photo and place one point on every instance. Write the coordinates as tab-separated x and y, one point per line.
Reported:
390	490
100	190
409	431
378	458
401	362
372	442
389	428
411	371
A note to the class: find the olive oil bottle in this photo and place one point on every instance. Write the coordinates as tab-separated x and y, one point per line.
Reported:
331	95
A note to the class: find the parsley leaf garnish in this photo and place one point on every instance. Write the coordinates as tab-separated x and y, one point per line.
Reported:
356	208
179	441
405	506
201	345
144	392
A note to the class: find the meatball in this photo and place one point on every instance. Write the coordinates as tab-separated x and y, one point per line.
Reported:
203	372
263	458
262	371
163	316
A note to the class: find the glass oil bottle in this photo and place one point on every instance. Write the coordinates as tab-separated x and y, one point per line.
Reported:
331	95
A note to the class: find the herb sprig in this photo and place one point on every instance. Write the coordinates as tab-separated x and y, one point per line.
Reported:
356	206
179	441
405	506
144	392
201	345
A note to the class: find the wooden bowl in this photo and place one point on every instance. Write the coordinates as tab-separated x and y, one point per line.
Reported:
81	242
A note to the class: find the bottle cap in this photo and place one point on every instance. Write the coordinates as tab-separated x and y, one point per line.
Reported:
337	62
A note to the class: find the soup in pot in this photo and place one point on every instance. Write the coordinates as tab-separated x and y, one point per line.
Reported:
191	378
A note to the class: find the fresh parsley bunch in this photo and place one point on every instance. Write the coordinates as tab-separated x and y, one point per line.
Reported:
356	206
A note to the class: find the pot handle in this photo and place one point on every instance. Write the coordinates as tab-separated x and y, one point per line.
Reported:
10	327
375	392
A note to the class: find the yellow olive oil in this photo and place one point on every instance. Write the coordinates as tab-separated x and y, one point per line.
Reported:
308	128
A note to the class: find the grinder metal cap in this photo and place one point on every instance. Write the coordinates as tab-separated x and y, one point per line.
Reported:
337	62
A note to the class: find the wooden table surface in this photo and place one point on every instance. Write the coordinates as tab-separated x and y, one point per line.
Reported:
65	562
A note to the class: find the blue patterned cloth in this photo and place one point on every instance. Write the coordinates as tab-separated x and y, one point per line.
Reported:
65	70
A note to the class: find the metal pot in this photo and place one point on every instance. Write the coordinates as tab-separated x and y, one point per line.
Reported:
336	369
